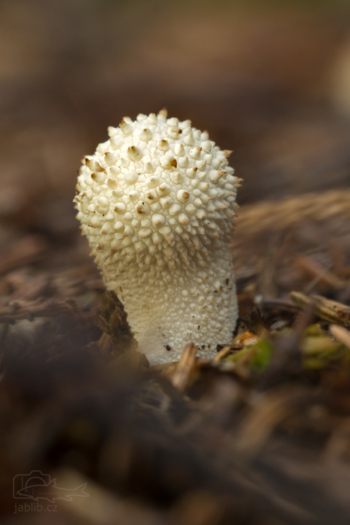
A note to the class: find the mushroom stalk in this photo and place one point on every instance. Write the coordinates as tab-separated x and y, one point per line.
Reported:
166	309
156	202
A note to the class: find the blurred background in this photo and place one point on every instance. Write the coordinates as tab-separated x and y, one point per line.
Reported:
268	79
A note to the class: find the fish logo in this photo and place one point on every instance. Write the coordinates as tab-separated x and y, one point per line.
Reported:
38	486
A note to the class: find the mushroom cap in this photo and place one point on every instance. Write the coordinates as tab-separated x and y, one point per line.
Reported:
157	192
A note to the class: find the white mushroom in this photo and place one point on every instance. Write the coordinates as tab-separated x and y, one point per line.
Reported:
156	202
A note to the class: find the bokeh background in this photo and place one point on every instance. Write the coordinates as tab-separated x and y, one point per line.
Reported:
270	80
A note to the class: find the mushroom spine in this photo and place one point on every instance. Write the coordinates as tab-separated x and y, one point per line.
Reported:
156	202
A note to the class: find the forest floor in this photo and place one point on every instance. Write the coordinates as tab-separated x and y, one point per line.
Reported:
260	434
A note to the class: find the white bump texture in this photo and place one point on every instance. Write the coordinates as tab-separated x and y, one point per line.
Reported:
156	202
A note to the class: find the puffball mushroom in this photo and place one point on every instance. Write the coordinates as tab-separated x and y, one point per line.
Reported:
156	202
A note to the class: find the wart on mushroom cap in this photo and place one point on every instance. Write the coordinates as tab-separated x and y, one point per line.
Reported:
156	202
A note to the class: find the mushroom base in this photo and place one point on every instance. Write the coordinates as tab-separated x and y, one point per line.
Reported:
169	310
